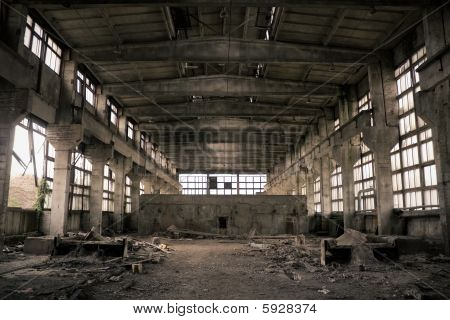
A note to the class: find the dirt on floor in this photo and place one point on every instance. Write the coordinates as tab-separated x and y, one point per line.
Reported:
223	269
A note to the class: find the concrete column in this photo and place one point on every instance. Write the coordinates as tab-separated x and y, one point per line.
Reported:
8	122
13	104
120	166
310	193
383	136
61	190
326	186
135	203
64	138
69	98
346	155
101	109
6	145
99	154
433	105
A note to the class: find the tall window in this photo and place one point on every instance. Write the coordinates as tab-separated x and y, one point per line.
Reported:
128	186
317	196
364	169
108	189
86	87
38	41
142	142
141	188
31	164
113	113
414	177
130	130
81	182
364	180
33	36
303	190
337	203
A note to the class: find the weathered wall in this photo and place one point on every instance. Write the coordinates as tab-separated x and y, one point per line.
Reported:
270	215
424	227
19	221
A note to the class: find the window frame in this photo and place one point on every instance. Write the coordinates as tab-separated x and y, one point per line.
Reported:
47	49
409	162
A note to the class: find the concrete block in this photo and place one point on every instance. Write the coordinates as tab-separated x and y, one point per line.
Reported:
39	245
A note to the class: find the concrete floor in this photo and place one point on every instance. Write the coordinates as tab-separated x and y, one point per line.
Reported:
215	269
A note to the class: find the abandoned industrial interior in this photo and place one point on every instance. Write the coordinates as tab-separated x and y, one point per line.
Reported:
230	149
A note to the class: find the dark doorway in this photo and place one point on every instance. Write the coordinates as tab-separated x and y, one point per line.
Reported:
223	221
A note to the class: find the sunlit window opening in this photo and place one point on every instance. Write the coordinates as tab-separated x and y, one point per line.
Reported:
414	178
108	189
113	113
38	41
337	202
81	182
32	164
364	168
86	87
317	196
222	184
128	186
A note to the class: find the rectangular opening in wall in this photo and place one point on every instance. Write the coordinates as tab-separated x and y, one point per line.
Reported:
31	165
223	222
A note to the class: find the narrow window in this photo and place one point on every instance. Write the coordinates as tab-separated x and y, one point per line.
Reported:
130	130
337	203
317	196
108	189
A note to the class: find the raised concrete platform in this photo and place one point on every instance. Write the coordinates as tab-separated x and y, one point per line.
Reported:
39	245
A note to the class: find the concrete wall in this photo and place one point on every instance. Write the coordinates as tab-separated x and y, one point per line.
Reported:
270	215
19	221
424	227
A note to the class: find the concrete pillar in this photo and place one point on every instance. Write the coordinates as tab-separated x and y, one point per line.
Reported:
346	155
64	138
101	109
433	105
325	186
61	190
69	99
6	145
11	115
310	193
135	204
99	154
383	136
120	166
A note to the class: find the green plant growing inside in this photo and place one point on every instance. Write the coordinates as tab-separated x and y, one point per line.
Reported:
42	193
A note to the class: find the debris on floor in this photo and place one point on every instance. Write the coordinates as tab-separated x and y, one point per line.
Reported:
357	248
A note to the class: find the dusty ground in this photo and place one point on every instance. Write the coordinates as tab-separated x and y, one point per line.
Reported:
218	269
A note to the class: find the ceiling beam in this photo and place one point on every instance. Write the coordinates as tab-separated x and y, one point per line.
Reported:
336	24
220	85
217	124
377	4
223	50
222	108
